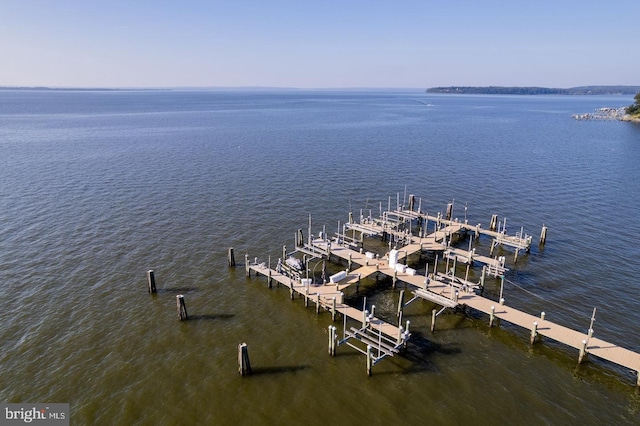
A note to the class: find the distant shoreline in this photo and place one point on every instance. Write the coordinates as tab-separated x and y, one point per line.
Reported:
516	90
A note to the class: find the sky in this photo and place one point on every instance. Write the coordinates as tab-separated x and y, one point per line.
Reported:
318	43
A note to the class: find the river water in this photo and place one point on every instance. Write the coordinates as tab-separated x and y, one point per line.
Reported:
97	187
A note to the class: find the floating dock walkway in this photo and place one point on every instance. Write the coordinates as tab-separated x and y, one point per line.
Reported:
443	288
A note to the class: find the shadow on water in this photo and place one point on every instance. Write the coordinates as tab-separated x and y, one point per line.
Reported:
257	371
176	290
211	317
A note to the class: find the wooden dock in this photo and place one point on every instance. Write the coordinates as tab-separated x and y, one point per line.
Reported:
380	338
440	287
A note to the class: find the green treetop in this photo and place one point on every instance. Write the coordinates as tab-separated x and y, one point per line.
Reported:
635	108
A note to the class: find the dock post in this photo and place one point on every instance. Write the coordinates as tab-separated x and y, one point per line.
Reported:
400	334
244	366
534	333
395	278
638	381
333	309
435	268
434	312
426	276
492	316
291	287
332	340
542	316
269	278
494	222
543	235
484	273
349	268
502	301
306	297
317	303
449	211
466	275
369	363
182	308
246	265
501	288
455	297
583	352
400	304
230	258
151	281
515	259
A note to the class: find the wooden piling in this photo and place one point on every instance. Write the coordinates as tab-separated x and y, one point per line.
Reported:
434	312
317	303
543	235
231	260
492	316
583	352
182	308
494	222
246	265
333	309
332	340
400	304
369	360
151	280
534	333
244	366
449	211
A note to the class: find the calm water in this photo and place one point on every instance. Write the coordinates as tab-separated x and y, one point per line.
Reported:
98	187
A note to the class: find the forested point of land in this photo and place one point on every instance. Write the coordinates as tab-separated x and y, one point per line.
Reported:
500	90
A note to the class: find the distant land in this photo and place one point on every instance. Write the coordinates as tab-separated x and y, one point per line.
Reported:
500	90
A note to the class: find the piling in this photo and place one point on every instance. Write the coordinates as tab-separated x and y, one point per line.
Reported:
332	340
494	222
231	260
151	281
492	316
434	312
583	352
369	360
317	303
244	366
542	316
534	333
182	308
400	304
543	235
449	211
333	309
395	279
246	265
